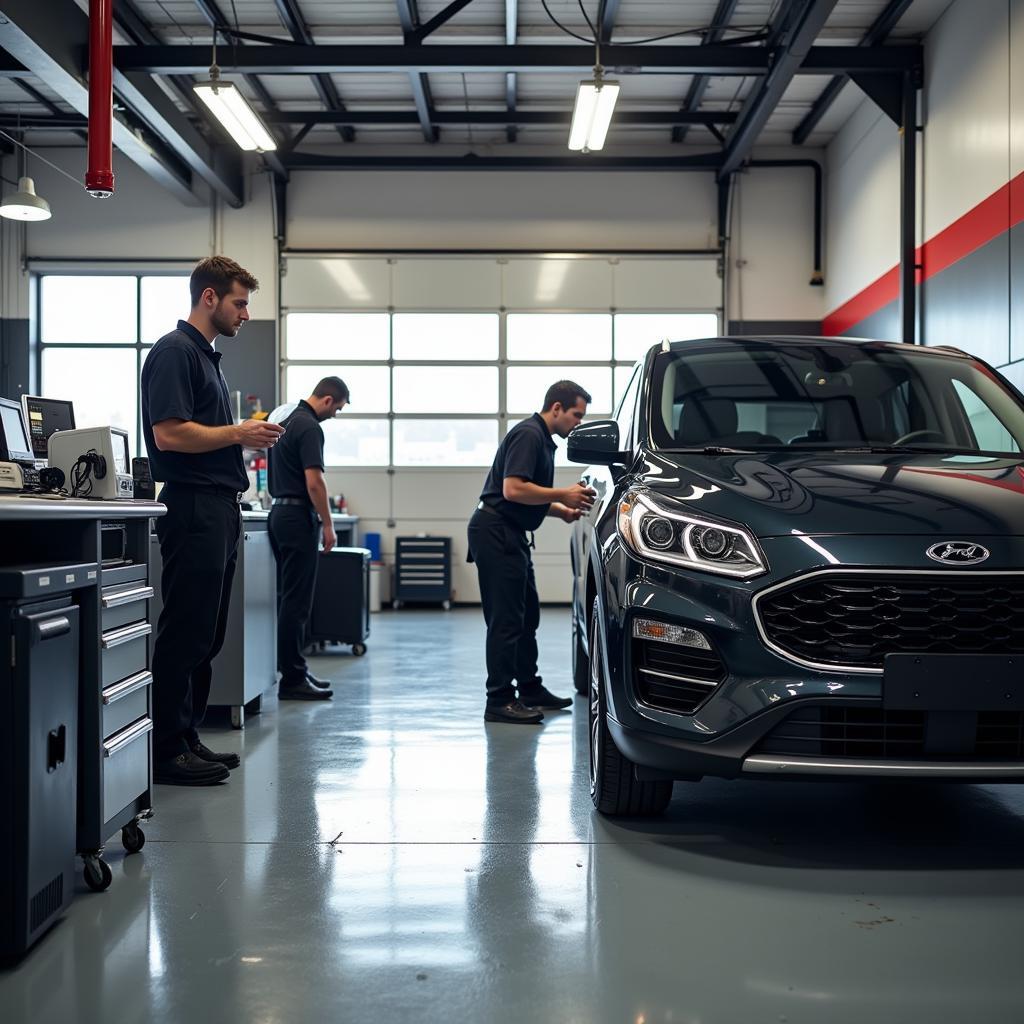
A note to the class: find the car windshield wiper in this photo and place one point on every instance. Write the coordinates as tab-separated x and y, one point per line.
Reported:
885	449
716	449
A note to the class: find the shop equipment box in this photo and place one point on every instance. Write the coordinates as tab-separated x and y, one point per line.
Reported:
39	692
341	600
423	570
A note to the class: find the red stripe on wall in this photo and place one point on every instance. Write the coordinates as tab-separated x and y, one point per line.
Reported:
988	220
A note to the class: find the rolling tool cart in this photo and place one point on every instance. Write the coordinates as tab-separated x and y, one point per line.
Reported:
423	570
341	600
39	682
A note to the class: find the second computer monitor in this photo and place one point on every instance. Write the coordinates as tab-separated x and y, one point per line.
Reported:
44	417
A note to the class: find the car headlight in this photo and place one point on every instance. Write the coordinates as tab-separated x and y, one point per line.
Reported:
661	532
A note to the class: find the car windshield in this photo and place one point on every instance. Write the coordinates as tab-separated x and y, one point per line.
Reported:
770	395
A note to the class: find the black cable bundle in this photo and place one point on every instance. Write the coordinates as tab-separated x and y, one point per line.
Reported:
88	466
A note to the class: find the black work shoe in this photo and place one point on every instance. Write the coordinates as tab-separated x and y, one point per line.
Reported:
302	690
322	683
204	753
544	698
188	770
515	712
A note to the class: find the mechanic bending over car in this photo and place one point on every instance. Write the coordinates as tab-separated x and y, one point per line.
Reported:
517	496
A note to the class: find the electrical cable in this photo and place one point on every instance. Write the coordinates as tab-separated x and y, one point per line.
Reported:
586	17
175	21
60	170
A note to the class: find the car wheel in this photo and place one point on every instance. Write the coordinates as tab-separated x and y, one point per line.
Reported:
614	787
580	661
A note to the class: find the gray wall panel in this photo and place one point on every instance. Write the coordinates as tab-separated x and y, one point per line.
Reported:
968	304
810	328
15	360
250	362
1017	292
883	325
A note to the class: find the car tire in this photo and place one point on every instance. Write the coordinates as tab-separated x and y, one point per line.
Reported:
580	661
614	787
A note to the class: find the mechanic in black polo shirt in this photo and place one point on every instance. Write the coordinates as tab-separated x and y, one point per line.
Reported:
517	496
195	448
300	507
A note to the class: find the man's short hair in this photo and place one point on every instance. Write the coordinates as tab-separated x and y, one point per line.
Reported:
218	273
566	392
333	386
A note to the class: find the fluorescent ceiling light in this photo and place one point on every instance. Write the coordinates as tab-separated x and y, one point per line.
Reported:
25	204
595	103
232	109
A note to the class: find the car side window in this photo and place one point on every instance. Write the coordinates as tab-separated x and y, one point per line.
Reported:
989	433
627	408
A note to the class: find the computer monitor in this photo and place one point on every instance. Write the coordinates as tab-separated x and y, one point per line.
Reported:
44	416
14	442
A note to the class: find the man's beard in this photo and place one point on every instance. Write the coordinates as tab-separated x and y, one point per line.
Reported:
226	325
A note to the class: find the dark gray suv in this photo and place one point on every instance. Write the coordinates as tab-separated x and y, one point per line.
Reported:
806	559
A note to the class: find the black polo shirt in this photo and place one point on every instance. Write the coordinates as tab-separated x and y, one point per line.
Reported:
300	448
528	451
182	380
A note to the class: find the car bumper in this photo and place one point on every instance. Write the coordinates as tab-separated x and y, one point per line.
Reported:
729	734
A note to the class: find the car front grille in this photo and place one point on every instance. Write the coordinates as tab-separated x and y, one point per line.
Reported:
855	619
673	677
862	733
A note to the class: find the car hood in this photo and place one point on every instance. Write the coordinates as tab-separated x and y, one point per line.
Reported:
777	493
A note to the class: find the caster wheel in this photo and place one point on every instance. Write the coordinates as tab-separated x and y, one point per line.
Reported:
98	875
359	650
133	838
396	605
446	605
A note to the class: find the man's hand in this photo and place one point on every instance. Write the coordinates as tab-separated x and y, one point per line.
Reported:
330	537
579	497
259	434
570	515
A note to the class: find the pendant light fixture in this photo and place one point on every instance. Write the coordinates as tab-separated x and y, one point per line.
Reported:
24	204
232	110
592	113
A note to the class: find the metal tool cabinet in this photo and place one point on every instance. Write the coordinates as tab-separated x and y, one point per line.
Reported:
114	713
423	570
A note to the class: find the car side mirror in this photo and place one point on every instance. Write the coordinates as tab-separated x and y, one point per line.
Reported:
597	444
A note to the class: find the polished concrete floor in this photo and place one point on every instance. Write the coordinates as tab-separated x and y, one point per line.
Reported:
388	857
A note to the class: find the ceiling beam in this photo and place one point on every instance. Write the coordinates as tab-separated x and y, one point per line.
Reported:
408	15
52	44
876	34
292	19
497	117
292	59
796	27
442	17
607	12
695	95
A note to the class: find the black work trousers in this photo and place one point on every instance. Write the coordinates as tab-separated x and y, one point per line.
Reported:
295	539
199	547
508	592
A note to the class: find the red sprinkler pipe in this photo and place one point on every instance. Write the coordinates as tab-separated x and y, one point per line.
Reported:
99	178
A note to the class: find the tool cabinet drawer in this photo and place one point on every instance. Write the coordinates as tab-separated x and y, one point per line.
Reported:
125	702
126	766
123	604
123	652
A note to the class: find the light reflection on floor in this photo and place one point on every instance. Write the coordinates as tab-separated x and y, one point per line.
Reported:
387	857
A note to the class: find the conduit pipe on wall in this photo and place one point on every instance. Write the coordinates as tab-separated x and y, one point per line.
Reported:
817	277
99	178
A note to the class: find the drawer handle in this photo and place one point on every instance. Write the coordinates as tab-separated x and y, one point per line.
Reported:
126	597
122	739
126	686
117	637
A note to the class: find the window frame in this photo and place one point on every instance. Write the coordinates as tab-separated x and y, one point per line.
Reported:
138	347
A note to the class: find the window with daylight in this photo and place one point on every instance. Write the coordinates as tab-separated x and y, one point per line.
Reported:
442	388
94	332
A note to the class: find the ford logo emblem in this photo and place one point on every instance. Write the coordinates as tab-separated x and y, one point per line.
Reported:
957	552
